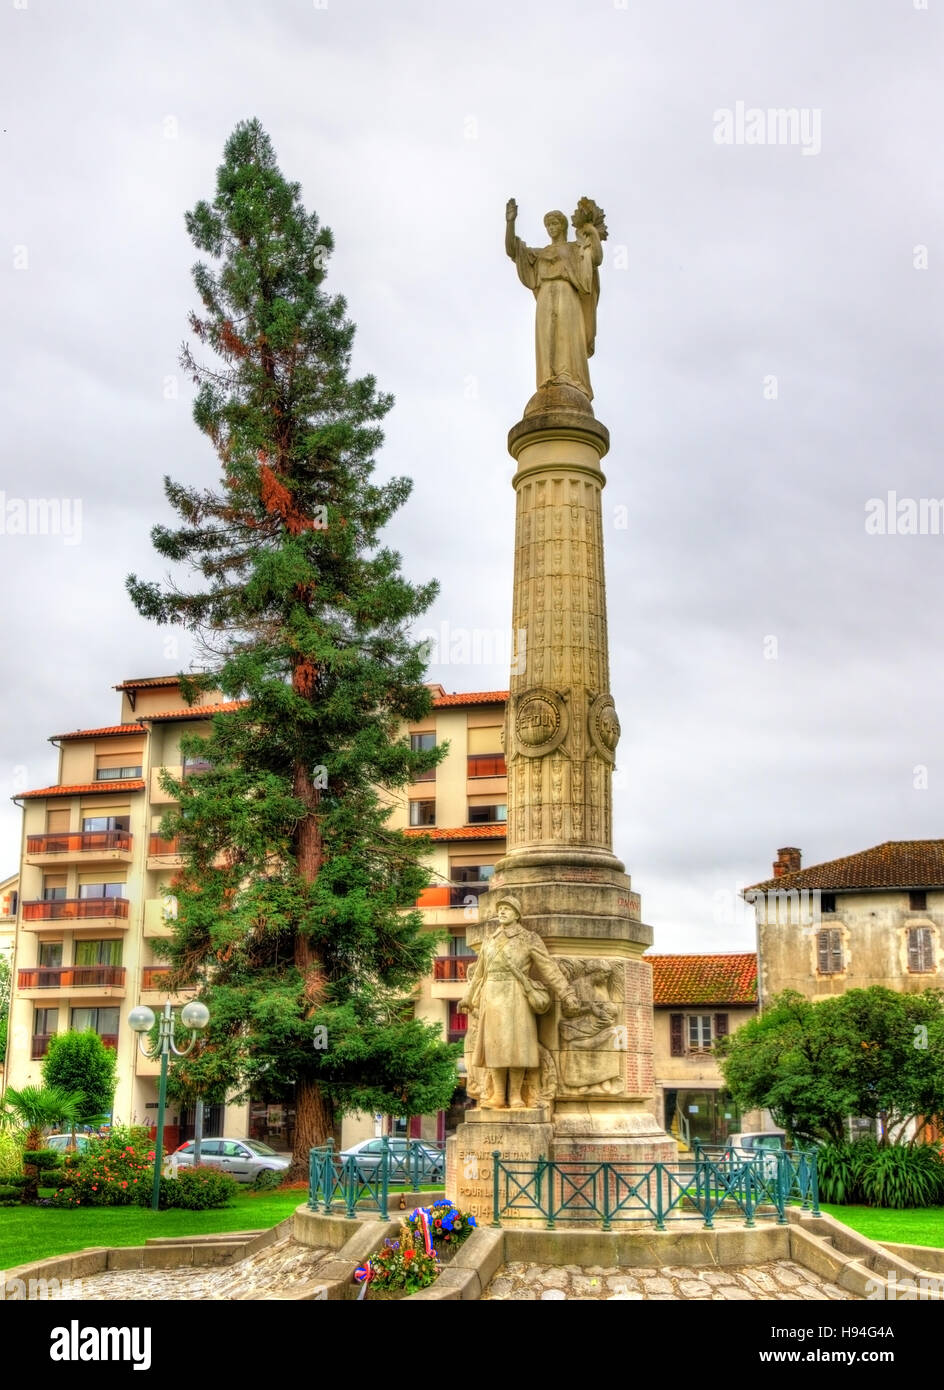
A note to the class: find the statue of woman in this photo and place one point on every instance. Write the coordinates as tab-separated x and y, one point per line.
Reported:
566	285
508	999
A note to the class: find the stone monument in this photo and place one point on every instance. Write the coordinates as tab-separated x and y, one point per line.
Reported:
559	1043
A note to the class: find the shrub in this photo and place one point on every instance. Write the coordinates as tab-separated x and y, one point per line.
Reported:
266	1179
898	1176
10	1194
11	1156
203	1188
193	1189
892	1176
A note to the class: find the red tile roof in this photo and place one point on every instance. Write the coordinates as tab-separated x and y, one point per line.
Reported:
196	711
894	864
147	681
84	788
462	832
721	979
99	733
471	697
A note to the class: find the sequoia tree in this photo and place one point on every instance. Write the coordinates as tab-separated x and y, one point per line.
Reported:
290	904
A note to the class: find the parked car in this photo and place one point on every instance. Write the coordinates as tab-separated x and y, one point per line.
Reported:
64	1143
243	1159
765	1144
410	1160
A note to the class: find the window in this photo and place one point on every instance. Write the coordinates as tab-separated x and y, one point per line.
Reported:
45	1021
920	951
918	901
101	890
106	823
118	774
54	888
472	873
422	813
829	951
488	815
695	1033
50	953
827	902
98	952
422	743
103	1021
487	765
458	945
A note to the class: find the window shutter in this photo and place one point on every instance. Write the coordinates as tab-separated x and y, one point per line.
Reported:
676	1036
920	954
721	1025
829	945
822	942
836	950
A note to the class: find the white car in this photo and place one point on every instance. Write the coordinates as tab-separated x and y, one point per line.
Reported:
243	1159
765	1144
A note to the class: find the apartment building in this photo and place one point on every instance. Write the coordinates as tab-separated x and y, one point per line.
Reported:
93	893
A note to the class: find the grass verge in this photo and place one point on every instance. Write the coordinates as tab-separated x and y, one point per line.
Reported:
914	1226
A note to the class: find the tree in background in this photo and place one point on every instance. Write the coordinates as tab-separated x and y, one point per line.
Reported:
80	1063
871	1052
290	905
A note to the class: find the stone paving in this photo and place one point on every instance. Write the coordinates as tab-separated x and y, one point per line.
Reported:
274	1272
781	1279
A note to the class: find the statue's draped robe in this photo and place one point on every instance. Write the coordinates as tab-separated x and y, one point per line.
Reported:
566	286
507	1034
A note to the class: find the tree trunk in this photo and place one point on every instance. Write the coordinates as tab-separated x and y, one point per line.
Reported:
314	1123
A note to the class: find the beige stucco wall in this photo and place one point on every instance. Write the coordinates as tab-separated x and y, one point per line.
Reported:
874	930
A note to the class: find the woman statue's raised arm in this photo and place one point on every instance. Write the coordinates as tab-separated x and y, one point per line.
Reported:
511	213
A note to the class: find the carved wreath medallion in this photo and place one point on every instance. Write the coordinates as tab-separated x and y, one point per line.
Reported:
540	722
604	727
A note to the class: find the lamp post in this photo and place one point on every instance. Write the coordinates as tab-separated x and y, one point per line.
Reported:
194	1016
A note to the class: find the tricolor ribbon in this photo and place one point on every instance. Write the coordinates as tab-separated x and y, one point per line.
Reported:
363	1275
424	1223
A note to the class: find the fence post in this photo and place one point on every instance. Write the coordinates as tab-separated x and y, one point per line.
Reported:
660	1196
784	1185
607	1223
749	1193
384	1177
496	1155
815	1183
312	1199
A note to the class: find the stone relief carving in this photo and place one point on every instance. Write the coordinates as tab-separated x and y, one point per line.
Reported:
604	727
593	1044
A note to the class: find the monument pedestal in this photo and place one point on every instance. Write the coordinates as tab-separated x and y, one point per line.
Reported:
470	1155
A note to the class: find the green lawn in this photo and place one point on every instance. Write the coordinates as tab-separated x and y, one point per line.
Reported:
32	1233
917	1226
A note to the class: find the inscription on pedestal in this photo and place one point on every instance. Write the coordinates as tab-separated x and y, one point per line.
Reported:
470	1162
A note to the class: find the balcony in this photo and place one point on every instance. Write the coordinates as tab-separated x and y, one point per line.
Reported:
90	981
154	985
163	854
77	914
79	847
453	968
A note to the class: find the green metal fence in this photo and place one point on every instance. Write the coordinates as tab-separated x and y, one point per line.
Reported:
364	1180
704	1188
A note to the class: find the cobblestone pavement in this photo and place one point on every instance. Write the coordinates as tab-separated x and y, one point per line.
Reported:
274	1272
779	1280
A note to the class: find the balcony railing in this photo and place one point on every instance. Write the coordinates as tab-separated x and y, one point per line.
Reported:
156	977
158	845
40	1045
70	976
62	909
459	893
487	765
452	967
78	841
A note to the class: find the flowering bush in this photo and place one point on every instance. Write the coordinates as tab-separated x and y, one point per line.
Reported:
110	1174
448	1225
400	1268
199	1189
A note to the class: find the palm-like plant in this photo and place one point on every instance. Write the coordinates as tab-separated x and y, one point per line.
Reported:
35	1108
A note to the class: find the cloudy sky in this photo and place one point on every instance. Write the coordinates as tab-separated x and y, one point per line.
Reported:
768	360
